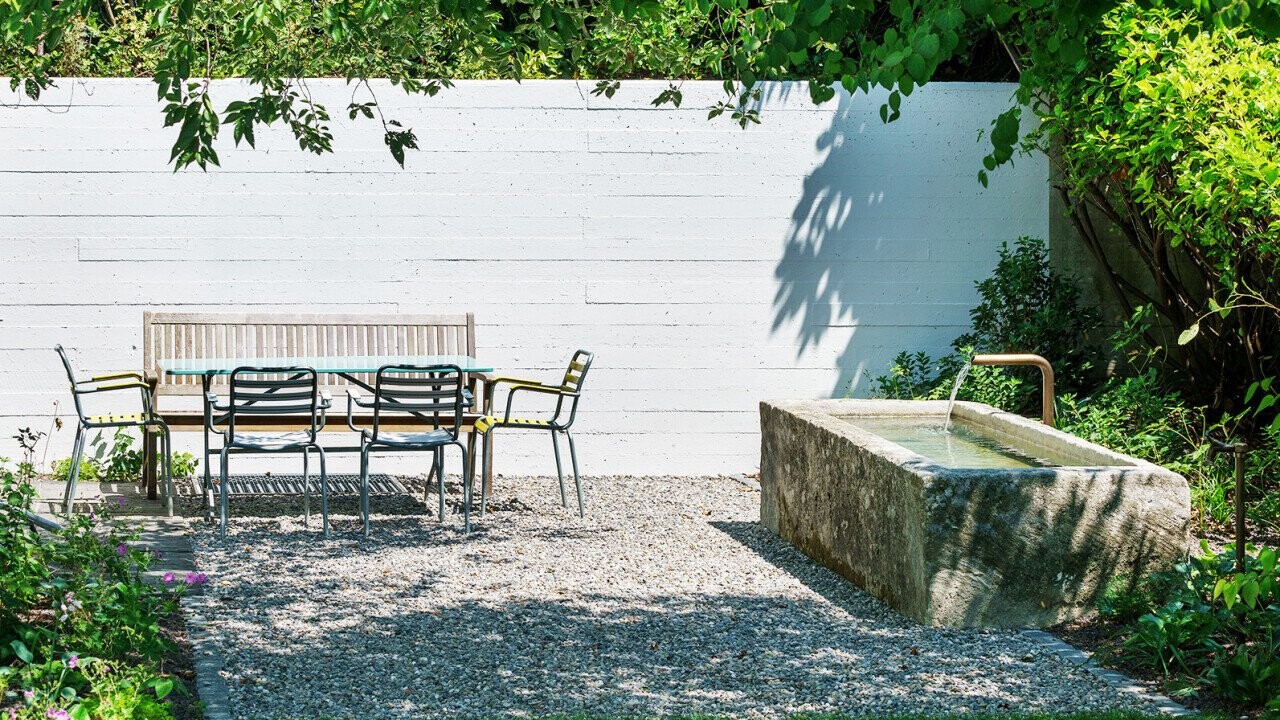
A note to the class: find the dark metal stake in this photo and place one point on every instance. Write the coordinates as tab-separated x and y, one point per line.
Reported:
1239	449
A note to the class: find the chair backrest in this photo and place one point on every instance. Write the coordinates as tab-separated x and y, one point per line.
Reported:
425	392
66	364
71	378
577	371
263	336
272	391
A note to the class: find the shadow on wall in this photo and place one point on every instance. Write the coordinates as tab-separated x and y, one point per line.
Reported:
878	219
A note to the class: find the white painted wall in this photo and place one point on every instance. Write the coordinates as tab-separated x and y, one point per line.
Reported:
707	266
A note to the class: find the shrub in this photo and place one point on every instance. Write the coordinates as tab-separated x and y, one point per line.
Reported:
119	460
1025	307
1028	307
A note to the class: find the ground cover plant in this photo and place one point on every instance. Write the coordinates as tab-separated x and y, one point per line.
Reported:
118	458
80	633
1204	625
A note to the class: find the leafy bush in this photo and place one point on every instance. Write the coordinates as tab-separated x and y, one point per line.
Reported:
1025	307
1204	625
1028	307
79	630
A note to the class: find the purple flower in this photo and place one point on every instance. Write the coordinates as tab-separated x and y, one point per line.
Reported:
122	549
197	578
28	695
120	501
73	661
13	713
168	578
92	516
57	714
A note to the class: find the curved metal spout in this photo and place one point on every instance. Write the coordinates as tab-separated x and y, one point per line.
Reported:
1046	377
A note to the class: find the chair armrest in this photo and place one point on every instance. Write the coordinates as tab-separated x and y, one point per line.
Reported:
493	381
541	389
354	400
212	399
358	399
117	376
110	386
326	399
467	398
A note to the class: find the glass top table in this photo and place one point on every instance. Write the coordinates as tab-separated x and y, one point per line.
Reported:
336	364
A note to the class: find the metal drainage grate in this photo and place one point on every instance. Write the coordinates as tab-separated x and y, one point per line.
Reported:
292	485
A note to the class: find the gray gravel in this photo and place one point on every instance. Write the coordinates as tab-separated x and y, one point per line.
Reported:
667	599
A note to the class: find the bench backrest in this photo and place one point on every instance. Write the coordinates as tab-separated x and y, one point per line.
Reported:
264	336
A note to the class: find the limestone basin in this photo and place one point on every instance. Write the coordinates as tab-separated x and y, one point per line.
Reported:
1023	530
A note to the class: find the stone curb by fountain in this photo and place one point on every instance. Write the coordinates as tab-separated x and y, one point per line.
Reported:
1118	680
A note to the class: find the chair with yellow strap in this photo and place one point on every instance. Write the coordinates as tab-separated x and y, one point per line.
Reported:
567	394
145	419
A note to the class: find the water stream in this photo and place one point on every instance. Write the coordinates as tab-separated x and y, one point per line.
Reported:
964	372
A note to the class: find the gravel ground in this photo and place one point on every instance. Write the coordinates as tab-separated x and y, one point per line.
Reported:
667	599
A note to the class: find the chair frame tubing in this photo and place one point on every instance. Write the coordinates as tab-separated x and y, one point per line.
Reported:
148	421
396	380
264	393
569	388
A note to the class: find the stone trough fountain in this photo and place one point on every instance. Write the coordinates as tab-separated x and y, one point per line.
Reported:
991	520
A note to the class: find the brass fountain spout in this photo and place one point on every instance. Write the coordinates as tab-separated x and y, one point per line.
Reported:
1046	377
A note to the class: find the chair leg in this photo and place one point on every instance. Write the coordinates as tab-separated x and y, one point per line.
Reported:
166	447
577	480
439	469
73	472
466	492
555	443
364	488
306	487
486	450
324	492
222	466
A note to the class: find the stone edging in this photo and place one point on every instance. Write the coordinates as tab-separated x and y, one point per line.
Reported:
210	686
1117	680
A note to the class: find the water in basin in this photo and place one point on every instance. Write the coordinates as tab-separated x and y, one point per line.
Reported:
961	445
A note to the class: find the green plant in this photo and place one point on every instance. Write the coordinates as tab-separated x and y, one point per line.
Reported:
1205	624
79	630
90	469
1026	306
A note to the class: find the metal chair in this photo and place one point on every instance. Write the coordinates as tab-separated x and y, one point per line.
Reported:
271	391
433	394
144	420
568	392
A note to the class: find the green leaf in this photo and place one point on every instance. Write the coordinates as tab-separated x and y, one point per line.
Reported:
162	686
20	649
1189	334
1249	593
1267	559
927	45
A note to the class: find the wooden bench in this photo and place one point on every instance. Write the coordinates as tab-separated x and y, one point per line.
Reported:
263	336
